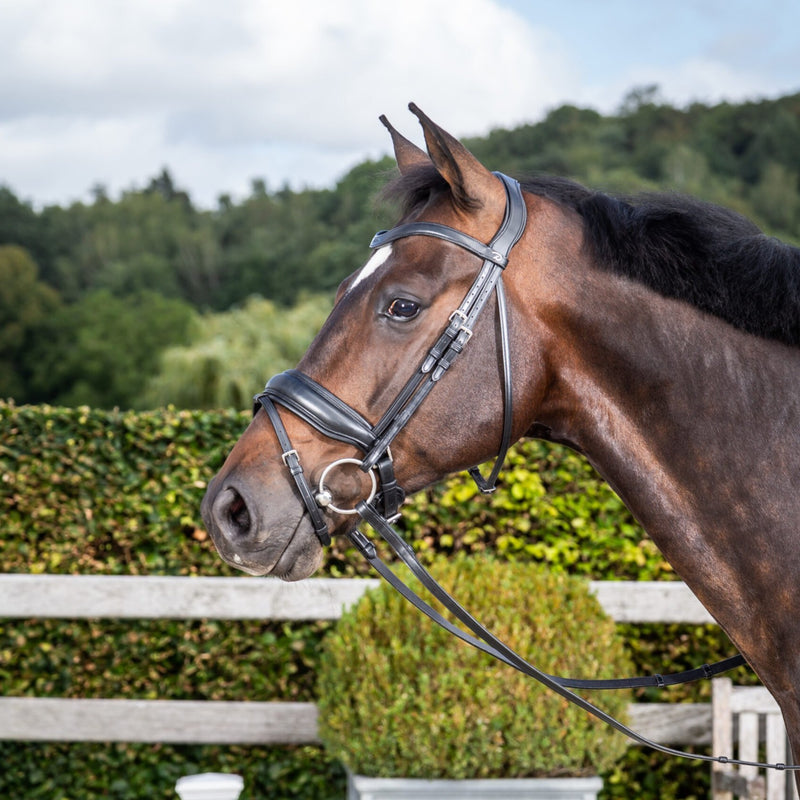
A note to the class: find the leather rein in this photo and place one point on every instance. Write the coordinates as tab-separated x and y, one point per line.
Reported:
328	414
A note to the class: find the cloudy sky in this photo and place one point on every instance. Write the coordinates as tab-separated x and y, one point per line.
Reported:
111	91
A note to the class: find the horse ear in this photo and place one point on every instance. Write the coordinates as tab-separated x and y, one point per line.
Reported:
470	182
408	155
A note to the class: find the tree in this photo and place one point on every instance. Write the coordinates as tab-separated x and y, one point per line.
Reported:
21	225
775	198
25	304
101	350
234	353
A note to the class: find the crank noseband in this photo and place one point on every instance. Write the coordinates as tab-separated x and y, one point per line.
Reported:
332	417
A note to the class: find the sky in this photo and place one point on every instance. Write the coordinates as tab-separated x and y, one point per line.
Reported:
110	92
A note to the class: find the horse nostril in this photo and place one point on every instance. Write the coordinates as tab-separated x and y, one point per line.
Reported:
237	514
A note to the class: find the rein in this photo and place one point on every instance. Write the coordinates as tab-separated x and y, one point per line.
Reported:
328	414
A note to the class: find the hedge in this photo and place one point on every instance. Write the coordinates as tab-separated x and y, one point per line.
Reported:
110	492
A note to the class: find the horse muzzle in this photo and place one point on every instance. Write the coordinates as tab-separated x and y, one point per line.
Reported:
286	547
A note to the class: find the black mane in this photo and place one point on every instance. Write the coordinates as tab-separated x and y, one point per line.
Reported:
680	247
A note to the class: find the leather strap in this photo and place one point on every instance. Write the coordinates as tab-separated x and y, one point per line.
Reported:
489	484
320	408
462	321
438	231
292	461
485	641
406	554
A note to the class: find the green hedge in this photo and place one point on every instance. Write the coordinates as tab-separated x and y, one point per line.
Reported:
93	492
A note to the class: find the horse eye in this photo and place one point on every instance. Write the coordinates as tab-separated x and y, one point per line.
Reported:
403	308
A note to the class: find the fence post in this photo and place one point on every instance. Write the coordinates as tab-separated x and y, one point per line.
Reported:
210	786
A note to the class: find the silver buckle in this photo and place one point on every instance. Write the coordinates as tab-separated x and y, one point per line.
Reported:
286	455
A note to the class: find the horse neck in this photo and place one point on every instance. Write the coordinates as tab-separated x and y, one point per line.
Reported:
693	423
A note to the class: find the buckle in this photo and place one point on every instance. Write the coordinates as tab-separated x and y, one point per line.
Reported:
458	313
462	328
288	454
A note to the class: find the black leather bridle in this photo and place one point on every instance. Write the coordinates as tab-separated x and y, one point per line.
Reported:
328	414
325	412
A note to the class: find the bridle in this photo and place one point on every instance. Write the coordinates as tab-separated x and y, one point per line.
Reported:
329	415
325	412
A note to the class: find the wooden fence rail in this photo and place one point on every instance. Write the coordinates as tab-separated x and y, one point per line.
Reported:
168	597
190	722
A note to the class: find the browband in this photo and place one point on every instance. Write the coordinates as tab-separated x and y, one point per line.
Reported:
444	232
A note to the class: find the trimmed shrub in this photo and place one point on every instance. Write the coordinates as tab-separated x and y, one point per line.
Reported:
110	492
400	697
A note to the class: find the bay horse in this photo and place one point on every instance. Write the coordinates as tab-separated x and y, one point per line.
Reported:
658	336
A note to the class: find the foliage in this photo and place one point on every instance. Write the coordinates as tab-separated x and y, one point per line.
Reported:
123	489
148	659
110	492
234	353
25	304
550	507
282	245
98	349
399	697
725	153
61	771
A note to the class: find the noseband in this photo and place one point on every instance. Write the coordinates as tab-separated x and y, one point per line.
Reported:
332	417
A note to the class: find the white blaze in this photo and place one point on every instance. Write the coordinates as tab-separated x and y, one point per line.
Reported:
376	261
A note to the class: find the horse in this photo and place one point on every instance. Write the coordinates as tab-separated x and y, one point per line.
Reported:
656	335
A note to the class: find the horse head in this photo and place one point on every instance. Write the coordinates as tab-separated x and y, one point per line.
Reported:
386	318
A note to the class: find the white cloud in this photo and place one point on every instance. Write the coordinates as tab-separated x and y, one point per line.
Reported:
93	90
118	89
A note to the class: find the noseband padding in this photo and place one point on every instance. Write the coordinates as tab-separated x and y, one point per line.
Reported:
320	408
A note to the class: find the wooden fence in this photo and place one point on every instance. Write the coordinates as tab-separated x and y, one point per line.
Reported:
192	722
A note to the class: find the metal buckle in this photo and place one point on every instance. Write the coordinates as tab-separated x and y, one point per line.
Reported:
286	455
461	328
458	313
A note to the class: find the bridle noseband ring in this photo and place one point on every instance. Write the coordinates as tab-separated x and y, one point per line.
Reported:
324	497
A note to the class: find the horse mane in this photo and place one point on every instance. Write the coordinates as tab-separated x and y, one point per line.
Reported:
678	246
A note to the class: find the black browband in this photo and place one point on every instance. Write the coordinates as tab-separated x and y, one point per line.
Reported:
326	413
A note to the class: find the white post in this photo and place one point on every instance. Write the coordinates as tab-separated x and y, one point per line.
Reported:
210	786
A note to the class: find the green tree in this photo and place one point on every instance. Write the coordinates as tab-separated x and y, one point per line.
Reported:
233	353
21	225
137	243
775	198
101	350
25	305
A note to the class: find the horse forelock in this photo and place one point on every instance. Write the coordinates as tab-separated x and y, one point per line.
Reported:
416	190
